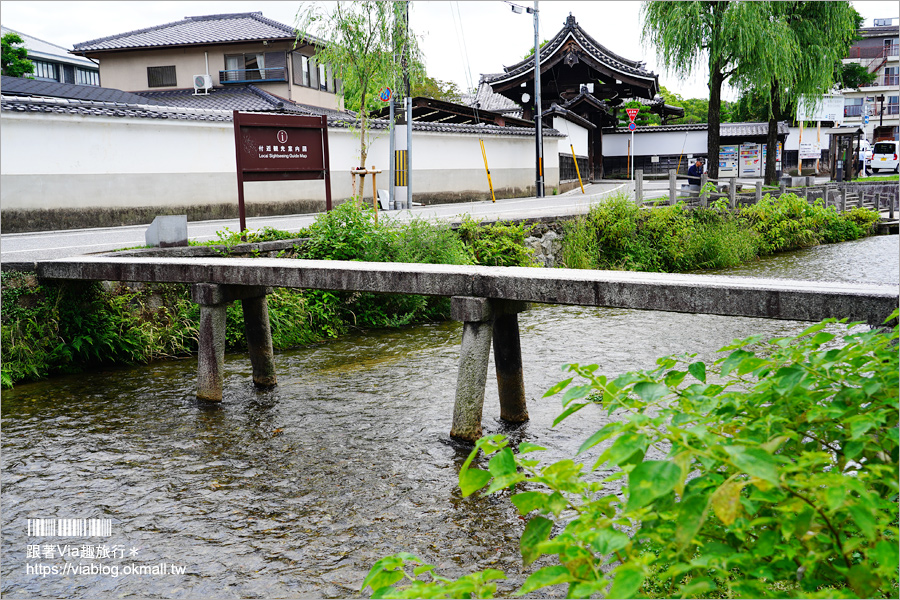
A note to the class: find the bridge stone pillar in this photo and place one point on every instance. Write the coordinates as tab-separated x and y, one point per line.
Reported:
214	300
484	320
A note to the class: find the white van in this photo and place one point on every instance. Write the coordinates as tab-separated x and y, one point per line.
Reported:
884	157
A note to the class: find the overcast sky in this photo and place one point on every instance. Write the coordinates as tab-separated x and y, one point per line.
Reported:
484	34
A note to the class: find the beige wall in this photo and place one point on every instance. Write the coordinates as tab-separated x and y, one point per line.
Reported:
128	70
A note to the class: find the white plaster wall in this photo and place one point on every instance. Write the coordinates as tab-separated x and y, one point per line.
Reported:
576	136
652	144
50	160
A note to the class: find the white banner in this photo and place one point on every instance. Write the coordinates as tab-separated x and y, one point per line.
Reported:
810	150
822	108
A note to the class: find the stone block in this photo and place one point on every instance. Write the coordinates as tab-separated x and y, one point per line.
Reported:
167	231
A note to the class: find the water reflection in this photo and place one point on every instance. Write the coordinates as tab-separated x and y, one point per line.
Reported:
295	491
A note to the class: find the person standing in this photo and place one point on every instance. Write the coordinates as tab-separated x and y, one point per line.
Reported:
694	172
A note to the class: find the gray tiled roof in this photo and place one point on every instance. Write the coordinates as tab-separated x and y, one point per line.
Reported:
725	129
596	50
20	86
110	109
486	99
210	29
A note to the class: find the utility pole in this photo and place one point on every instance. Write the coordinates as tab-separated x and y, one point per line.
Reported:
539	134
409	123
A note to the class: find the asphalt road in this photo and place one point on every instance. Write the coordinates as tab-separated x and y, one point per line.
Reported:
43	245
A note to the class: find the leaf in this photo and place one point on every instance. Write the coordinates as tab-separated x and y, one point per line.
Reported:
627	581
834	496
502	463
609	540
529	501
537	531
698	370
650	480
755	461
558	387
691	514
544	577
576	393
674	378
650	392
625	446
472	480
570	410
863	581
865	520
526	447
725	501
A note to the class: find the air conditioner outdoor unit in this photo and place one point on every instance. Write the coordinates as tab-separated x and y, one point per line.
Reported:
202	82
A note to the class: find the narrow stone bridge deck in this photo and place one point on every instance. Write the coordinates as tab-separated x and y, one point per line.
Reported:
485	299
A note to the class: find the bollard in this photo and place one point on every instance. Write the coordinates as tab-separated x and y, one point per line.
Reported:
759	190
639	187
732	192
782	188
671	186
843	199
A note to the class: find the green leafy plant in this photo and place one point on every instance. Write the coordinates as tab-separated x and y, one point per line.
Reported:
497	244
772	472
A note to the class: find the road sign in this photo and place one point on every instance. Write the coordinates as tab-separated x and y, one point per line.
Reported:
632	126
632	113
866	120
386	94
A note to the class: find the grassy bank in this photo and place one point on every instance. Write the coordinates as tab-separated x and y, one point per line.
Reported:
62	327
620	236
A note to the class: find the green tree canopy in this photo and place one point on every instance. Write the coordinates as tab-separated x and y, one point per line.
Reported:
15	57
368	45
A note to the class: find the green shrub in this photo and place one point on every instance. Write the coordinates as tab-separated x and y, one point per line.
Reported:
771	473
497	244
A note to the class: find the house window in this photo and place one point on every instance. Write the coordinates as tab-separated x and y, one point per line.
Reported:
891	76
45	70
245	67
853	107
304	65
85	77
893	105
161	76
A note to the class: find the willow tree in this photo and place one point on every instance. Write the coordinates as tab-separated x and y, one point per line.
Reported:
723	34
804	41
367	44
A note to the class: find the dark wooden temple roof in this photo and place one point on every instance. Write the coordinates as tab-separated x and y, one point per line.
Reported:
569	60
441	111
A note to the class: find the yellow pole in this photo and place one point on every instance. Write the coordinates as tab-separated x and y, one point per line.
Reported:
488	171
374	194
577	172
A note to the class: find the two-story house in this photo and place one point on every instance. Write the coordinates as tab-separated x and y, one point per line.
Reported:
54	63
203	61
876	107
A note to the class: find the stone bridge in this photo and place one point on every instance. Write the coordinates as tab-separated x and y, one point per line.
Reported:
486	300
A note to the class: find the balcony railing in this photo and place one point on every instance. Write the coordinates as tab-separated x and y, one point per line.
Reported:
888	79
853	110
873	51
253	75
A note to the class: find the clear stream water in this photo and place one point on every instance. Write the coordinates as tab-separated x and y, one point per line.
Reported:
297	491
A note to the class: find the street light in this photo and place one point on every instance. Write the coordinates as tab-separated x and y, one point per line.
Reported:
538	125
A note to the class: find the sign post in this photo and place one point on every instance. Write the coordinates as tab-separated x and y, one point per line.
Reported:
632	113
276	147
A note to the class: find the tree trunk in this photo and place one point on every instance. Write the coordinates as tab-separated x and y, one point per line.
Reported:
772	139
714	118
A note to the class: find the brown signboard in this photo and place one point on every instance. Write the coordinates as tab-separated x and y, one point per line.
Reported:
278	147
